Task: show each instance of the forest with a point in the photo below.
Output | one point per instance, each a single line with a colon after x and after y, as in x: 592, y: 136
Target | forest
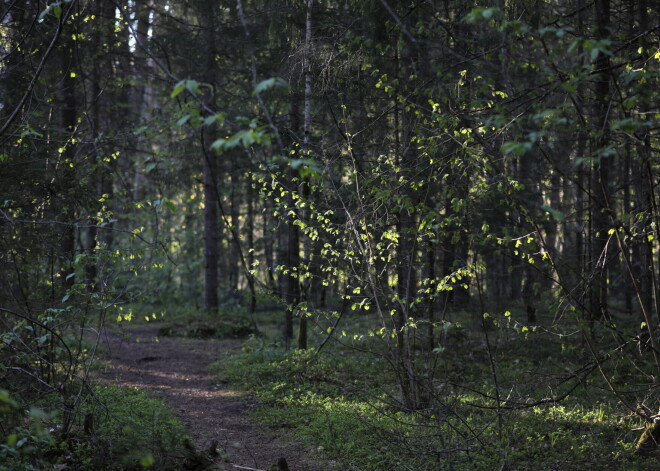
x: 422, y: 234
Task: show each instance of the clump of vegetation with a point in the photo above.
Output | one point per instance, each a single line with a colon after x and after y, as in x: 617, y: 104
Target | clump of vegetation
x: 23, y: 435
x: 344, y: 403
x: 218, y: 329
x: 177, y: 320
x: 649, y: 442
x: 116, y: 428
x: 133, y: 428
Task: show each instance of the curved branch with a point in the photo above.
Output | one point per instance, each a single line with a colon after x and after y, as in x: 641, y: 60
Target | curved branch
x: 40, y: 69
x: 45, y: 327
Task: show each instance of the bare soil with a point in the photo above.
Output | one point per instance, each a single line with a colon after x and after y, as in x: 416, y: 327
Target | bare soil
x: 177, y: 370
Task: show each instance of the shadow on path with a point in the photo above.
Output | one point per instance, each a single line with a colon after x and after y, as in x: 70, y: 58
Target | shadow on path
x: 177, y: 370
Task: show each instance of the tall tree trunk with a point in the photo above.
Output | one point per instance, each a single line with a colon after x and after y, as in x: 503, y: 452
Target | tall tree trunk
x: 250, y: 217
x: 234, y: 213
x: 431, y: 301
x: 601, y: 170
x: 305, y: 185
x: 291, y: 284
x: 141, y: 92
x: 68, y: 117
x: 209, y: 168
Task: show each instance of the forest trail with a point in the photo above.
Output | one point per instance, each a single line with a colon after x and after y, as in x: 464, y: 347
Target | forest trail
x: 177, y: 371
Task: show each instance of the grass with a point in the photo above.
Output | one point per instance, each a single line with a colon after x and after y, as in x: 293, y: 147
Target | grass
x: 344, y: 401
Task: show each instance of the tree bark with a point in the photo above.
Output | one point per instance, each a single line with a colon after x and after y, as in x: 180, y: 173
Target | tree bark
x: 601, y: 170
x: 209, y: 168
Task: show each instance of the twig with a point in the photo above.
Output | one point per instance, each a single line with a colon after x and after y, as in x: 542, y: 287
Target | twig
x: 247, y: 467
x: 45, y: 327
x: 334, y: 327
x: 398, y: 22
x: 40, y: 68
x: 253, y: 65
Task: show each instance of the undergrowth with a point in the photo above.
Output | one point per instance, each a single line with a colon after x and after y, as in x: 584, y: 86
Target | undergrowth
x: 116, y: 428
x: 341, y: 402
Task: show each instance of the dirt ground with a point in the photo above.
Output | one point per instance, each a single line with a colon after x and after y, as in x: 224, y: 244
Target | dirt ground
x: 177, y: 370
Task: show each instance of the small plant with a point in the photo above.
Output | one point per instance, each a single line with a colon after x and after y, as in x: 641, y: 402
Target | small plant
x: 116, y: 429
x: 340, y: 402
x: 21, y: 448
x: 131, y: 430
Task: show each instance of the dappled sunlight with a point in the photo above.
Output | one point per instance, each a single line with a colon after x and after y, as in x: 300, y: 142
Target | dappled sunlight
x: 175, y: 381
x: 417, y: 234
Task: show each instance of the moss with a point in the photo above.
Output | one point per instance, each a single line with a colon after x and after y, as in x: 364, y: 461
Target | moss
x: 649, y: 443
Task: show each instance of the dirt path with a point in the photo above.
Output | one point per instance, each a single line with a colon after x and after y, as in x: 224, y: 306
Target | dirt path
x: 177, y: 370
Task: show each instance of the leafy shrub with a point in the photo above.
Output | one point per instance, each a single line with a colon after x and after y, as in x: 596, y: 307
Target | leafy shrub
x: 117, y: 429
x: 21, y: 448
x: 132, y: 430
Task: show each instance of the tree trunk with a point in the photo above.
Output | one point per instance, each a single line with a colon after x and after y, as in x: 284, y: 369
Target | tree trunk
x: 305, y: 185
x: 250, y: 217
x: 209, y: 169
x: 141, y: 93
x: 601, y: 170
x: 68, y: 117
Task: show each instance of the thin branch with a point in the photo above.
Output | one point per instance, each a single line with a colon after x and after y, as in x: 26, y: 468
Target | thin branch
x: 39, y: 70
x: 45, y: 327
x: 398, y: 22
x: 334, y: 326
x: 253, y: 65
x: 89, y: 226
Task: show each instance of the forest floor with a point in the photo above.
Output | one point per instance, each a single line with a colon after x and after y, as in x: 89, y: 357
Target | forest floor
x: 177, y: 370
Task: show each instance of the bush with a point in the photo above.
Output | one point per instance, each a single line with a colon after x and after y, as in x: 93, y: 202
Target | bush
x: 116, y: 429
x: 132, y: 430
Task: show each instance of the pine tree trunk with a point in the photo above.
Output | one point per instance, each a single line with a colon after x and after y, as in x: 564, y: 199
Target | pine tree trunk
x: 601, y: 170
x: 209, y: 170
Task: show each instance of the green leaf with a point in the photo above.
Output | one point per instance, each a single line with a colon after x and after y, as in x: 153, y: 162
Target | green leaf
x: 150, y: 166
x: 178, y: 88
x: 481, y: 14
x: 183, y: 120
x: 147, y: 460
x: 275, y: 82
x: 55, y: 7
x: 210, y: 120
x: 247, y: 138
x: 488, y: 13
x: 43, y: 14
x: 37, y: 413
x: 193, y: 86
x: 573, y: 46
x: 305, y: 167
x: 219, y: 145
x: 556, y: 215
